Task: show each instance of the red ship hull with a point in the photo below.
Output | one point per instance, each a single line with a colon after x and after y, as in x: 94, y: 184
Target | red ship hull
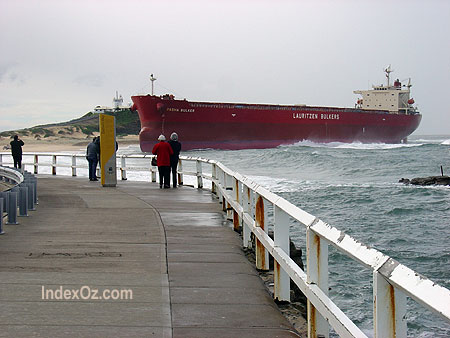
x: 202, y: 125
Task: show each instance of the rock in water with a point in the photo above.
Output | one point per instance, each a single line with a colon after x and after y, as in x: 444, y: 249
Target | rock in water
x: 430, y: 180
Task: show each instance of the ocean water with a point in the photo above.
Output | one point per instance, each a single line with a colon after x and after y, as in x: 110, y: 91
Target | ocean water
x: 354, y: 187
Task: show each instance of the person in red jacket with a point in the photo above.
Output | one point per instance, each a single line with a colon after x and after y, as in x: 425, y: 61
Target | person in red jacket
x: 163, y: 150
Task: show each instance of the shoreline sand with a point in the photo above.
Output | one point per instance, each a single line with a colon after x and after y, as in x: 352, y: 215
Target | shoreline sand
x: 59, y: 144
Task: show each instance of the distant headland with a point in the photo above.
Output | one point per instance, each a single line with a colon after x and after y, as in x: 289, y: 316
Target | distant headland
x: 74, y: 134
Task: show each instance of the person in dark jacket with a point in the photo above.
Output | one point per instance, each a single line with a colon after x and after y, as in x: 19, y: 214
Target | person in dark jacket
x: 163, y: 151
x: 97, y: 142
x: 16, y: 151
x: 92, y: 157
x: 176, y: 147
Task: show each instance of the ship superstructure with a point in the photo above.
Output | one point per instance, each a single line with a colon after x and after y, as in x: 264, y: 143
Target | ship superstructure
x: 393, y: 98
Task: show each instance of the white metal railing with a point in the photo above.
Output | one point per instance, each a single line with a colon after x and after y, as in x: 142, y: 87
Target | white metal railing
x: 247, y: 203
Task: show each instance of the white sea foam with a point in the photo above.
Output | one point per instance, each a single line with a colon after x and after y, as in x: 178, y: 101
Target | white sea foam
x: 280, y: 185
x: 429, y: 141
x: 276, y: 185
x: 376, y: 146
x: 446, y: 142
x: 356, y: 145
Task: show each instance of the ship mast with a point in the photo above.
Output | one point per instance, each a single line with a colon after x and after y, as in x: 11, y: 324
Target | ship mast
x: 153, y: 79
x: 388, y: 71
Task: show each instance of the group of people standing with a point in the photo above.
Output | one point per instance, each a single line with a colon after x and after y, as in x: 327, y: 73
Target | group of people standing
x: 168, y: 154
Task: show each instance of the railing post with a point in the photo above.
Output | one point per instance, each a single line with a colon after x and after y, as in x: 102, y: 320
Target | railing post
x: 228, y: 187
x: 74, y: 165
x: 33, y: 181
x: 252, y: 209
x: 12, y: 208
x: 199, y: 175
x: 30, y: 187
x: 1, y: 216
x: 214, y: 177
x: 236, y: 220
x: 389, y: 309
x: 53, y: 164
x: 1, y: 159
x: 246, y: 208
x: 5, y: 196
x: 36, y: 164
x: 220, y: 177
x: 180, y: 172
x: 262, y: 255
x: 282, y: 282
x: 153, y: 171
x: 123, y: 168
x: 317, y: 273
x: 23, y: 201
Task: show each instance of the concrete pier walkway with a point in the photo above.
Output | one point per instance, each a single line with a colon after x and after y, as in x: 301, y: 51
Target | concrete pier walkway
x: 172, y: 248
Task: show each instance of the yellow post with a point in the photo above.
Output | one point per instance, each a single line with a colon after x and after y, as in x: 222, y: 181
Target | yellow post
x: 108, y: 150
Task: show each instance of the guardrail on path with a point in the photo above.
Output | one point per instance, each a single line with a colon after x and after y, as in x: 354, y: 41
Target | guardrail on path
x: 20, y: 196
x: 247, y: 204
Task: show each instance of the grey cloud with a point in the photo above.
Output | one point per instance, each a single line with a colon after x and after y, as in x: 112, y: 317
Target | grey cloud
x: 8, y: 75
x: 16, y: 78
x: 92, y: 80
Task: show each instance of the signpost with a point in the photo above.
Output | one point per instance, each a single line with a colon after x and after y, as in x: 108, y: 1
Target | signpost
x: 108, y: 150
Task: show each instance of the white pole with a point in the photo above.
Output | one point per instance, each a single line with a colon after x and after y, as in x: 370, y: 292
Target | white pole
x: 153, y: 79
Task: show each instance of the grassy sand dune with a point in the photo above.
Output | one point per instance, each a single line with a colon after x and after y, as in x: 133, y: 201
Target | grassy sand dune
x: 73, y: 135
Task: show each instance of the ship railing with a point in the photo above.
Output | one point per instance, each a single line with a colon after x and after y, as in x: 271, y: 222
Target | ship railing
x: 248, y: 204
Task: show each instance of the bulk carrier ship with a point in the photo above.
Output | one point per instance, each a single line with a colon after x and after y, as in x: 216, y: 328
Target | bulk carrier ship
x: 383, y: 114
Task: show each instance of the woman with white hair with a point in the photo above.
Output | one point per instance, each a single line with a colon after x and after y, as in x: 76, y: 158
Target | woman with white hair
x: 163, y: 151
x: 176, y: 147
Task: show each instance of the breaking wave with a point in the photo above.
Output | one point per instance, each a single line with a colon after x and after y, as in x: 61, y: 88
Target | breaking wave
x: 356, y: 145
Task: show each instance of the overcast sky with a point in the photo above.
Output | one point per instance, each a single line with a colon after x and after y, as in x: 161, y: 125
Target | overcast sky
x: 61, y: 58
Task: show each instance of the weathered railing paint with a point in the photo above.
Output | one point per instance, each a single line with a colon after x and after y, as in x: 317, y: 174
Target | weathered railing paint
x: 246, y: 204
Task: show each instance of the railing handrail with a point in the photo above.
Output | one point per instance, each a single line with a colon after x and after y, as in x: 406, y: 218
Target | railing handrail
x: 11, y: 174
x: 369, y: 257
x: 391, y: 278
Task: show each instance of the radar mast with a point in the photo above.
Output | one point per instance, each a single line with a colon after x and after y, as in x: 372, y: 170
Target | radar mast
x: 153, y: 79
x: 388, y: 71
